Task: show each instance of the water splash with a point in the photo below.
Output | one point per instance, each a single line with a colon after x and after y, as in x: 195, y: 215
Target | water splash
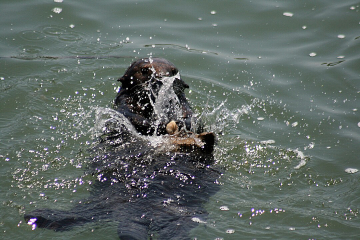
x: 219, y: 118
x: 108, y: 121
x: 167, y: 106
x: 244, y: 153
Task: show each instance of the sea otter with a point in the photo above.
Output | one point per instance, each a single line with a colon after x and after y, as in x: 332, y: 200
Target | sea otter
x: 153, y: 192
x: 138, y: 100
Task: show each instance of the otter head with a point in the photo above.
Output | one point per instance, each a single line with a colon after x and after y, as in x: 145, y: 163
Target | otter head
x: 150, y: 70
x: 152, y: 95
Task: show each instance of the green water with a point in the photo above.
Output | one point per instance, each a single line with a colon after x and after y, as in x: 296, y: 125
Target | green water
x: 278, y: 81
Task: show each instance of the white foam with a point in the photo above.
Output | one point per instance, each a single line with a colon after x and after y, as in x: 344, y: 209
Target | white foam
x: 224, y: 208
x: 198, y: 220
x: 351, y: 170
x: 302, y: 157
x: 267, y: 142
x: 301, y: 164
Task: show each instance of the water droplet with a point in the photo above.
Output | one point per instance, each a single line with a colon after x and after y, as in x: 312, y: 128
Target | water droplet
x: 294, y: 124
x: 224, y: 208
x: 288, y: 14
x: 198, y: 220
x: 351, y: 170
x: 57, y: 10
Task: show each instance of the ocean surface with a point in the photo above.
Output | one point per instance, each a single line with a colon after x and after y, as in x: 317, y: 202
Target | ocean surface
x: 277, y: 81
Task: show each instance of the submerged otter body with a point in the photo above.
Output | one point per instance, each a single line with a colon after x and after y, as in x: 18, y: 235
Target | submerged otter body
x: 151, y: 191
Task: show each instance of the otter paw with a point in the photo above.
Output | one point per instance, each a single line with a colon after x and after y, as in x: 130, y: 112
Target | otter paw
x: 172, y: 128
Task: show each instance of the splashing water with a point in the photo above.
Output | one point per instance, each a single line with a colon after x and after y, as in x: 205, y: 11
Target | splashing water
x: 220, y: 118
x: 217, y: 118
x: 242, y: 153
x: 167, y: 106
x: 108, y: 120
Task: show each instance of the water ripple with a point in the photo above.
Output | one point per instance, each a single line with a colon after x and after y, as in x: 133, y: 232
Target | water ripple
x: 32, y: 35
x: 63, y: 33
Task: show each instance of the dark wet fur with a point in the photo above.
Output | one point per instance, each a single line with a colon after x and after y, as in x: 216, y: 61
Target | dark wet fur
x: 151, y: 194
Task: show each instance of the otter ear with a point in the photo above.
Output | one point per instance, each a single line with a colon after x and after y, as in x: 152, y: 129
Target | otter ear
x: 125, y: 82
x: 183, y: 83
x: 180, y: 83
x: 123, y: 78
